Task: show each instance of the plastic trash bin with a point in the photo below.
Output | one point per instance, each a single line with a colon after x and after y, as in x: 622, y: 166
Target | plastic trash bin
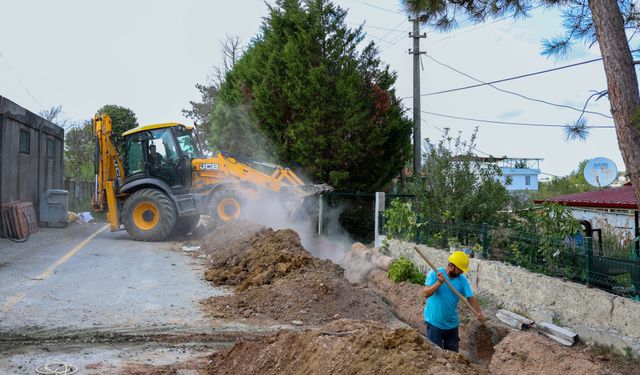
x: 54, y: 205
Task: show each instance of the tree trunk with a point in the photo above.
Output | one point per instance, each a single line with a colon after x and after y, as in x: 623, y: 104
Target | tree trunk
x: 622, y: 83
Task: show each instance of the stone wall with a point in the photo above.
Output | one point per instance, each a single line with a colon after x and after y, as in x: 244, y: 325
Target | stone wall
x: 595, y: 315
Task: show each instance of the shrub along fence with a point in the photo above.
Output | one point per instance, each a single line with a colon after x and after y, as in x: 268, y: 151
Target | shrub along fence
x: 572, y: 257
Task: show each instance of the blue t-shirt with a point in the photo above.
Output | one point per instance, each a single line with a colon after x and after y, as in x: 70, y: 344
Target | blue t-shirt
x: 441, y: 309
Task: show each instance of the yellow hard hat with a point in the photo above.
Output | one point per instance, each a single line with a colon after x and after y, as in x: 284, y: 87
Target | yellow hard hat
x: 460, y: 260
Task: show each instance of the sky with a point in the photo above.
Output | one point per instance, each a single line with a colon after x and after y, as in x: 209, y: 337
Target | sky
x: 149, y: 55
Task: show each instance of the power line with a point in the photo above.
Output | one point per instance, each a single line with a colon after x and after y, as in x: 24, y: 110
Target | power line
x: 482, y: 152
x: 517, y: 94
x: 20, y: 81
x: 533, y: 124
x: 394, y: 29
x: 396, y: 40
x: 476, y: 27
x: 381, y: 8
x: 444, y: 133
x: 365, y: 25
x: 510, y: 78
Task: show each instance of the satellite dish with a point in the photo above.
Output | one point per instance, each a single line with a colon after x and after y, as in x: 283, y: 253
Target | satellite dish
x: 600, y: 172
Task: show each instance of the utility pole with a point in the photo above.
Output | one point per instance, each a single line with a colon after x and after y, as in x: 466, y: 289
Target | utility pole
x: 417, y: 138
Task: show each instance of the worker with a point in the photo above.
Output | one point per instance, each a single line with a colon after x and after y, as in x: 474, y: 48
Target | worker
x: 441, y: 309
x: 155, y: 159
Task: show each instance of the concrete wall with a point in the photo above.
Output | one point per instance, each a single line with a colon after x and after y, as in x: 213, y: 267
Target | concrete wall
x: 25, y: 176
x: 622, y: 220
x: 595, y: 315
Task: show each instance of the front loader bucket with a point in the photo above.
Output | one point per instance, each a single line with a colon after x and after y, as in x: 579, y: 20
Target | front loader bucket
x: 294, y: 199
x: 308, y: 190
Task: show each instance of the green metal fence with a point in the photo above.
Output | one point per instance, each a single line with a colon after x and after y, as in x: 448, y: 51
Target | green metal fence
x: 571, y: 258
x: 353, y: 212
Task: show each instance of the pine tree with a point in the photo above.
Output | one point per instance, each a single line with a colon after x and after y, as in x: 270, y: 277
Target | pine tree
x: 306, y: 95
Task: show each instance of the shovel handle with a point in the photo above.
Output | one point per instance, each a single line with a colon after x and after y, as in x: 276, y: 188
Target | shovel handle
x: 460, y: 296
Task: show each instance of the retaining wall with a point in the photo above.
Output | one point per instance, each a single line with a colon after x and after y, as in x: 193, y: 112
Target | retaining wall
x: 595, y: 315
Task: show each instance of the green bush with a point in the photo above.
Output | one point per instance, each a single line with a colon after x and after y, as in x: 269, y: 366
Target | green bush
x: 403, y: 269
x: 400, y: 221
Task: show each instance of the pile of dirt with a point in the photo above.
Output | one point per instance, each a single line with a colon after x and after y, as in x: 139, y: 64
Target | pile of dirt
x: 272, y: 255
x: 228, y: 242
x: 529, y: 353
x: 341, y: 347
x: 276, y: 278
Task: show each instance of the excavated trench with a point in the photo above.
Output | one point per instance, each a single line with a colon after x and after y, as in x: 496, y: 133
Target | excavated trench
x: 278, y: 281
x: 297, y: 314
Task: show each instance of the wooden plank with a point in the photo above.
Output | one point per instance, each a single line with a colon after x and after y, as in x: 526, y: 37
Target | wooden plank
x: 557, y: 331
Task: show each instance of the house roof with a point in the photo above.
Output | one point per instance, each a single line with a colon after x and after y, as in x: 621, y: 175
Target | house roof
x: 620, y: 197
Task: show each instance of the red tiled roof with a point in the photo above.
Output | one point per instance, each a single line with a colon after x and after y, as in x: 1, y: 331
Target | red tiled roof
x: 620, y: 197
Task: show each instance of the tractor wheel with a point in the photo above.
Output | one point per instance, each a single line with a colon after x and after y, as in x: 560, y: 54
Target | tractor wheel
x: 226, y: 205
x: 149, y: 215
x: 185, y: 225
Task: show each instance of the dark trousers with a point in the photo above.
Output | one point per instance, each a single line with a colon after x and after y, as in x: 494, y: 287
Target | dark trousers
x: 445, y: 338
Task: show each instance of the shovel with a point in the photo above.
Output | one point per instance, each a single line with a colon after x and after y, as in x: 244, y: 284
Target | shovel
x: 493, y: 335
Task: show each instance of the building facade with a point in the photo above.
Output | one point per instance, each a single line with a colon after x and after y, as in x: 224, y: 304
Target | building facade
x: 520, y: 174
x: 31, y: 154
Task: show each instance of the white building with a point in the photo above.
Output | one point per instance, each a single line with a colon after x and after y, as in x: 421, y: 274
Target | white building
x: 520, y: 174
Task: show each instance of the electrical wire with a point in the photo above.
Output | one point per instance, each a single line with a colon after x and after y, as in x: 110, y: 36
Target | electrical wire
x: 509, y: 78
x: 474, y: 28
x: 366, y: 26
x: 19, y: 80
x: 582, y: 111
x: 396, y: 28
x: 533, y: 124
x: 482, y: 152
x: 381, y: 8
x: 395, y: 41
x: 480, y: 26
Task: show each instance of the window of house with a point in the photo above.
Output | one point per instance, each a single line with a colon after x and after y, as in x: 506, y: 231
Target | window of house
x: 50, y: 148
x: 25, y: 142
x: 527, y: 180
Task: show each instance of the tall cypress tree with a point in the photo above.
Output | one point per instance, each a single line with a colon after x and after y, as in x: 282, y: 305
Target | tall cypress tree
x: 314, y: 100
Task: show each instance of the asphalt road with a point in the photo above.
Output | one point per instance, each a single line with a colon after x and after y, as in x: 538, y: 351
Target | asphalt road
x: 99, y: 301
x: 85, y: 276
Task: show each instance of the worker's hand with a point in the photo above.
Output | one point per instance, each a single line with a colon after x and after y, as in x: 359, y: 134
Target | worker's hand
x: 482, y: 318
x: 440, y: 277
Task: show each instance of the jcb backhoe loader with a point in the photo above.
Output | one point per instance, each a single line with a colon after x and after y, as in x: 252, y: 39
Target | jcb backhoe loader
x: 164, y: 183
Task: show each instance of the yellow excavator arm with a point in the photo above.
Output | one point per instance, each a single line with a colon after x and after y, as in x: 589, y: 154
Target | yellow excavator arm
x: 225, y: 167
x: 108, y: 170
